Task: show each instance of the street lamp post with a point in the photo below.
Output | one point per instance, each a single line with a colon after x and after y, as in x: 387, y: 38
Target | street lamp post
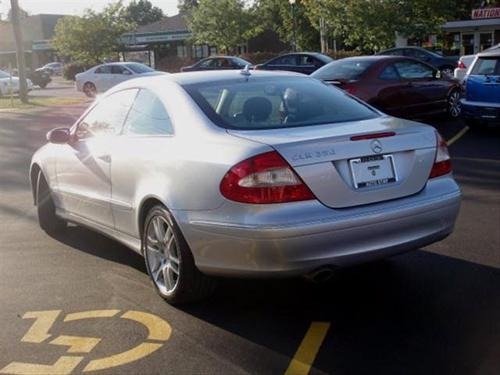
x: 294, y: 26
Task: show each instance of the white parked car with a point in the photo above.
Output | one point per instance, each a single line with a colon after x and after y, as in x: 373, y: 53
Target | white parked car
x: 462, y: 66
x: 5, y: 84
x: 102, y: 77
x: 53, y: 68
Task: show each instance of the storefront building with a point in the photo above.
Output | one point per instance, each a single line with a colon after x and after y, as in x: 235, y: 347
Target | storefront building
x: 475, y: 35
x: 38, y: 31
x: 166, y: 44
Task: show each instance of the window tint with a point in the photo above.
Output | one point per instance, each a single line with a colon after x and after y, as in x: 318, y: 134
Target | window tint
x: 139, y: 68
x: 413, y: 70
x: 107, y: 117
x: 118, y: 69
x: 393, y: 52
x: 487, y: 66
x: 148, y: 116
x: 417, y: 54
x: 308, y: 60
x: 389, y: 73
x: 345, y: 69
x: 105, y: 69
x: 207, y: 63
x: 275, y: 103
x: 285, y: 60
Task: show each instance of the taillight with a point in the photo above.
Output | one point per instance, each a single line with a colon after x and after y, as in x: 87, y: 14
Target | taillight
x: 442, y: 162
x: 264, y: 178
x: 461, y: 65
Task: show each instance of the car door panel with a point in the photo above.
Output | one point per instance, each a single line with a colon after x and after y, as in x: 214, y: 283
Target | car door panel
x: 84, y: 165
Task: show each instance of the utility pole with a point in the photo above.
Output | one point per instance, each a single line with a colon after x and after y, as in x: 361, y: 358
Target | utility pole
x: 21, y: 63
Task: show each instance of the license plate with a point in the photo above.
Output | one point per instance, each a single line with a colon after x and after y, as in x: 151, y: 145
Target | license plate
x: 490, y: 113
x: 372, y: 171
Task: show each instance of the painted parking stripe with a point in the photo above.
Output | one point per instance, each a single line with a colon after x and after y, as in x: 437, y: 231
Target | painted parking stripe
x: 457, y: 136
x: 308, y: 349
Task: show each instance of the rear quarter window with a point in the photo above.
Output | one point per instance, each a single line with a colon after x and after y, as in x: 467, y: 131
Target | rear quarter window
x: 486, y: 66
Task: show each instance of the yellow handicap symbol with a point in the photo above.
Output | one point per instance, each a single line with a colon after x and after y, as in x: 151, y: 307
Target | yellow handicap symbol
x: 159, y: 331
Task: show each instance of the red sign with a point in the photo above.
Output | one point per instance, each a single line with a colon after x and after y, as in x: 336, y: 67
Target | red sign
x: 486, y: 13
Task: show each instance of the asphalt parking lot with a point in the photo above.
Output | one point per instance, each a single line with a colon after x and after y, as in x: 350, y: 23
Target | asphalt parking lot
x: 80, y: 302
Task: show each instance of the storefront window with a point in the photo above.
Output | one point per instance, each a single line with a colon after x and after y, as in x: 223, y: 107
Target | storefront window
x: 468, y: 44
x: 485, y: 40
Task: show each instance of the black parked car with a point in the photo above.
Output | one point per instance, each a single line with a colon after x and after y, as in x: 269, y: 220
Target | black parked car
x: 446, y: 64
x: 40, y: 77
x: 217, y: 63
x: 300, y: 62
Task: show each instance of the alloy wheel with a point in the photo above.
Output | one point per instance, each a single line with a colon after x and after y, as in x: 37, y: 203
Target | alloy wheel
x: 454, y: 104
x: 162, y: 255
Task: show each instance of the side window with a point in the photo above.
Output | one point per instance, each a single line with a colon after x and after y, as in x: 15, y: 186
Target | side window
x: 207, y: 63
x: 105, y: 69
x: 107, y: 117
x: 389, y: 73
x: 285, y: 60
x: 413, y: 70
x: 486, y: 66
x: 148, y: 116
x: 394, y: 52
x: 118, y: 69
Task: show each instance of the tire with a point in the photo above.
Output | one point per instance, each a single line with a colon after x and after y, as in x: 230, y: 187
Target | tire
x: 453, y: 104
x: 43, y: 85
x: 169, y: 260
x: 46, y: 210
x: 89, y: 89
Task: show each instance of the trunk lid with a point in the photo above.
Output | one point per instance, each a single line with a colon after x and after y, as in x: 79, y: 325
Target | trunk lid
x: 335, y: 167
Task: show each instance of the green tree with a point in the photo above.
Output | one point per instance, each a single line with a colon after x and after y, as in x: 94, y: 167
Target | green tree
x: 142, y: 12
x: 287, y: 22
x: 94, y: 37
x: 186, y: 6
x: 225, y: 24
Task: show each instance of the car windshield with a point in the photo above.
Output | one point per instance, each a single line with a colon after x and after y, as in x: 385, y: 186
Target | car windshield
x: 273, y: 103
x: 4, y: 74
x: 344, y: 70
x: 139, y: 68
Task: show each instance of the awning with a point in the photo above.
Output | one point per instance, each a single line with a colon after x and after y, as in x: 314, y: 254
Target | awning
x: 492, y: 23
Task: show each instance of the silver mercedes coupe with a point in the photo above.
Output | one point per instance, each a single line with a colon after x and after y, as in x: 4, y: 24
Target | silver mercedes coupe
x: 245, y: 174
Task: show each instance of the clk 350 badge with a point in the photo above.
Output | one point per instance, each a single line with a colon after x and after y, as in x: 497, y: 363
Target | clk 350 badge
x: 313, y: 154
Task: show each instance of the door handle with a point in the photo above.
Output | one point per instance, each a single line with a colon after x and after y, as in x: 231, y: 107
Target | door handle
x: 105, y: 158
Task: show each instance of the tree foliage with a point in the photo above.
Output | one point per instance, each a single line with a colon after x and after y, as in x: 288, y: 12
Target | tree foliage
x: 287, y: 21
x: 142, y: 12
x: 225, y: 24
x: 373, y: 24
x: 94, y: 37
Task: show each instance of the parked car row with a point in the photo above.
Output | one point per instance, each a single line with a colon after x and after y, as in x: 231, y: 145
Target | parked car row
x: 10, y: 84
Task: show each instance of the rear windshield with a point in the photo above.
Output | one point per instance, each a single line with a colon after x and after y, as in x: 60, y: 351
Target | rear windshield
x: 487, y: 66
x: 272, y: 103
x: 343, y: 70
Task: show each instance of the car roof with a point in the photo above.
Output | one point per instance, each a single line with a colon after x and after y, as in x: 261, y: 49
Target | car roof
x: 490, y: 53
x: 189, y: 78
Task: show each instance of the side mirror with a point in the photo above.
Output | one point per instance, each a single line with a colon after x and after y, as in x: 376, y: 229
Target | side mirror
x: 59, y: 135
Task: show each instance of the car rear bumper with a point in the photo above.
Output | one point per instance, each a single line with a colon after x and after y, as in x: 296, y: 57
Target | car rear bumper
x: 307, y: 235
x: 484, y: 111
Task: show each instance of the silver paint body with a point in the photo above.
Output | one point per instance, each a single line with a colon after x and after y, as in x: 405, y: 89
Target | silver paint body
x: 103, y: 183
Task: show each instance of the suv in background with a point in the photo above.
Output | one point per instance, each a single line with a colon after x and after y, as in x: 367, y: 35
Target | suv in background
x: 481, y: 99
x: 54, y: 68
x: 446, y: 64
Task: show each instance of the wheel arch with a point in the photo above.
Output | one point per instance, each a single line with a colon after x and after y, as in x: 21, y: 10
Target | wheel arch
x: 34, y: 172
x: 147, y: 204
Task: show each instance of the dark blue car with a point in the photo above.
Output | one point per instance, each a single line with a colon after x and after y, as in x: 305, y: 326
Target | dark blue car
x: 445, y: 64
x: 300, y: 62
x: 481, y: 102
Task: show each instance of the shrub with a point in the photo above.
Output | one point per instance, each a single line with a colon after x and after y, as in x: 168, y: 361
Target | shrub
x: 72, y: 69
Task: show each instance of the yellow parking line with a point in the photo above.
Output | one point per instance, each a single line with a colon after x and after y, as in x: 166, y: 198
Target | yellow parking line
x: 308, y: 349
x: 457, y: 136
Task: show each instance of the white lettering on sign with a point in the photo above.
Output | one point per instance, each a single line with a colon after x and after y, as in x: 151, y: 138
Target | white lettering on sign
x: 486, y: 13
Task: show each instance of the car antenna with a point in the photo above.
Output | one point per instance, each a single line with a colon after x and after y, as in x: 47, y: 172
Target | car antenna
x: 246, y: 71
